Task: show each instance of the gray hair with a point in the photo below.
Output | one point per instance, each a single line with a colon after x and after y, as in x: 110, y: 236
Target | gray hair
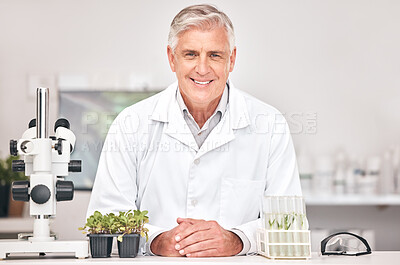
x: 203, y: 17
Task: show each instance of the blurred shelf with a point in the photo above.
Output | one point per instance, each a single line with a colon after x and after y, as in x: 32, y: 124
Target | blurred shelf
x: 356, y: 199
x: 16, y: 225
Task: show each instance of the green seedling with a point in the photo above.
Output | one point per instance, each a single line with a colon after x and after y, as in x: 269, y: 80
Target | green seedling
x: 98, y: 223
x: 130, y: 222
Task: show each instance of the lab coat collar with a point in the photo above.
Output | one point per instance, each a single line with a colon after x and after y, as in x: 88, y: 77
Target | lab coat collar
x: 167, y: 110
x: 239, y: 117
x: 238, y: 108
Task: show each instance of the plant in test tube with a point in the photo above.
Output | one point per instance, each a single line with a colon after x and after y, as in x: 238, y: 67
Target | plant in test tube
x: 282, y: 208
x: 305, y: 238
x: 271, y: 223
x: 272, y: 226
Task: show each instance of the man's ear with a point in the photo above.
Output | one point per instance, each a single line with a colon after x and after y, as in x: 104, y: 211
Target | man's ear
x: 171, y: 57
x: 232, y: 59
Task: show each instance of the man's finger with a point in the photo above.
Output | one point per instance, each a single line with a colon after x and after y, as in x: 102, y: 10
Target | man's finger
x: 194, y: 238
x: 182, y: 227
x: 199, y: 226
x: 204, y: 253
x: 189, y: 220
x: 199, y: 246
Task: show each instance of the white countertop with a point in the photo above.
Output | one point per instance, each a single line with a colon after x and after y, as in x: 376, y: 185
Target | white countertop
x: 353, y: 199
x: 376, y: 258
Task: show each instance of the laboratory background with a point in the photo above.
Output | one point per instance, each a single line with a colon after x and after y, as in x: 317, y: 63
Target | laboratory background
x: 331, y: 67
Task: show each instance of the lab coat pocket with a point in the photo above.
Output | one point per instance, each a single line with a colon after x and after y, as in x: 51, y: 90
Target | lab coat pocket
x: 240, y: 201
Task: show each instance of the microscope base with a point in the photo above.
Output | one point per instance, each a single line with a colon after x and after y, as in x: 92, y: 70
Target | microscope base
x: 79, y: 248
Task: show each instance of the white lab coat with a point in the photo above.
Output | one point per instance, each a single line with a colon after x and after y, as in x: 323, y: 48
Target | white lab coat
x: 150, y: 161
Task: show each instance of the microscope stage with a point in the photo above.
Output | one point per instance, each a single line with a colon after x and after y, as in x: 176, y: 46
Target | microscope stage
x: 80, y: 248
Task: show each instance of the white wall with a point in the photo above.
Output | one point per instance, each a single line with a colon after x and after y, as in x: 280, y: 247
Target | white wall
x: 338, y: 59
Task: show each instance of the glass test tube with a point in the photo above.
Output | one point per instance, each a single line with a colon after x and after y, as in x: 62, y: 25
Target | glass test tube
x: 282, y: 225
x: 290, y: 220
x: 267, y: 213
x: 274, y: 225
x: 303, y: 225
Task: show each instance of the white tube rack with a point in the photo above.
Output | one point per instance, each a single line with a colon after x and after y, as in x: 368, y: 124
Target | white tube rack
x: 284, y: 244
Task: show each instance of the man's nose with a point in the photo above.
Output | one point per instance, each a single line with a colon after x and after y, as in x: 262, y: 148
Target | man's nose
x: 202, y: 67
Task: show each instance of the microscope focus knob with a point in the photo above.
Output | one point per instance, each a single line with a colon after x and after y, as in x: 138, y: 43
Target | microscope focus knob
x: 18, y: 165
x: 40, y: 194
x: 64, y: 190
x: 20, y: 190
x: 13, y: 147
x: 58, y: 146
x: 75, y: 166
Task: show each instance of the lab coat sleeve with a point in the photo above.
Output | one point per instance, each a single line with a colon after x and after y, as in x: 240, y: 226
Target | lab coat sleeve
x: 282, y: 174
x: 115, y: 188
x: 154, y: 231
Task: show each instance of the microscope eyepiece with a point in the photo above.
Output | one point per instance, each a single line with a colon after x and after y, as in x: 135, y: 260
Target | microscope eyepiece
x: 61, y: 123
x: 32, y: 123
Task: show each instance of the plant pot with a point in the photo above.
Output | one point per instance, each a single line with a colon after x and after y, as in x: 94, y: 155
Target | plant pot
x: 4, y: 199
x: 129, y: 246
x: 100, y: 245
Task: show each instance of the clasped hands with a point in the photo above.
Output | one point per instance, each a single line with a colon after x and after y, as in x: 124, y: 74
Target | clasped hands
x: 197, y: 238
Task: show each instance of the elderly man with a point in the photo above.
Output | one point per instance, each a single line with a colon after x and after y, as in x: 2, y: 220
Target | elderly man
x: 199, y: 155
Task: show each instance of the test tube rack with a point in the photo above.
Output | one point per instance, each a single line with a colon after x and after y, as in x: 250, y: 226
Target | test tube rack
x: 285, y: 232
x: 281, y: 244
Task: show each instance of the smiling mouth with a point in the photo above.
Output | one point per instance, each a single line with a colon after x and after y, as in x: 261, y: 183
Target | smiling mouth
x: 201, y: 83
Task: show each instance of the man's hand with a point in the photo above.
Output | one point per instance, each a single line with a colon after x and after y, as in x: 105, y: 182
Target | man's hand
x: 164, y: 243
x: 206, y: 239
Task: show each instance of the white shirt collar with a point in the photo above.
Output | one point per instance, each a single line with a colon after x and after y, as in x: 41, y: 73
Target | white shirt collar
x: 222, y: 105
x: 166, y: 103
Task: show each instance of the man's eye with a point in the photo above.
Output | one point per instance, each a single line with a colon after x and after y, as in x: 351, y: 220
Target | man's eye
x: 189, y: 54
x: 215, y: 55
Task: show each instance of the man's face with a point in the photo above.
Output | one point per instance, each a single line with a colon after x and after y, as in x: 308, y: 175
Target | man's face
x: 202, y: 63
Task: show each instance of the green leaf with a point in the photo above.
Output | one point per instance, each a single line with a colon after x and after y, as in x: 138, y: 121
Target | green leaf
x: 7, y: 175
x: 128, y: 222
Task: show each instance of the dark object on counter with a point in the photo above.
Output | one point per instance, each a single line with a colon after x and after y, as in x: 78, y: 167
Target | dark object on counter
x: 345, y: 243
x: 7, y: 176
x: 129, y: 246
x: 100, y: 245
x: 4, y: 199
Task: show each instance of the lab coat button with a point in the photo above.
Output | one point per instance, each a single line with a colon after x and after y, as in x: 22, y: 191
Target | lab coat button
x: 194, y: 203
x: 197, y: 161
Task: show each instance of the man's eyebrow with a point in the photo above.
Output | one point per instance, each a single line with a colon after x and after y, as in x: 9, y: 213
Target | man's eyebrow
x: 209, y: 52
x: 221, y: 52
x: 188, y: 51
